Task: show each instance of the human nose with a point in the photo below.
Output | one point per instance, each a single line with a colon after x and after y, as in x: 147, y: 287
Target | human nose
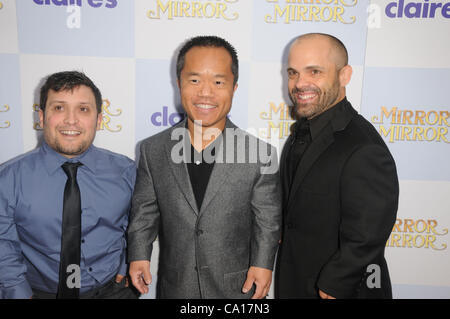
x: 205, y: 89
x: 300, y: 81
x: 70, y: 116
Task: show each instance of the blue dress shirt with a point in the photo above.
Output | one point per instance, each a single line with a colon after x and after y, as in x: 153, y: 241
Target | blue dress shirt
x: 31, y: 205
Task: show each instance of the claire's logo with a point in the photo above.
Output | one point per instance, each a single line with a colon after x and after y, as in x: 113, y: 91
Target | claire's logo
x: 417, y: 9
x: 165, y: 119
x: 110, y: 4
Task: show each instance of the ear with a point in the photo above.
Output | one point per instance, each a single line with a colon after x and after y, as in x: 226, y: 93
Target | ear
x: 235, y: 88
x: 178, y: 84
x: 41, y: 118
x: 99, y: 121
x: 345, y: 74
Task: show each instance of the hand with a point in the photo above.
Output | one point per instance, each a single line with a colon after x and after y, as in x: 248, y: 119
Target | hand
x: 140, y: 275
x: 262, y: 278
x: 119, y: 279
x: 324, y: 295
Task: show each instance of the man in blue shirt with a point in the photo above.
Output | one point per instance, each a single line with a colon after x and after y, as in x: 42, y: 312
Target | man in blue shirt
x: 32, y: 192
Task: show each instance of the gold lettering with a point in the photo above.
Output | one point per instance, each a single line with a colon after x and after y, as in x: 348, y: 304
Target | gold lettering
x: 419, y: 117
x: 107, y: 117
x: 443, y: 116
x: 436, y: 118
x: 416, y: 226
x: 385, y: 114
x: 395, y: 240
x: 408, y: 224
x: 407, y: 238
x: 442, y: 132
x: 426, y: 134
x: 431, y: 239
x: 407, y: 117
x: 417, y: 134
x: 385, y: 133
x: 398, y: 223
x: 415, y: 241
x: 432, y: 223
x: 6, y: 108
x: 221, y: 8
x: 406, y: 130
x: 205, y: 10
x: 274, y: 109
x: 160, y: 7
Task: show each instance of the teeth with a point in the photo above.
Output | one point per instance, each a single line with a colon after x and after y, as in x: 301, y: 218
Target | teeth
x: 70, y: 132
x: 306, y: 97
x: 205, y: 106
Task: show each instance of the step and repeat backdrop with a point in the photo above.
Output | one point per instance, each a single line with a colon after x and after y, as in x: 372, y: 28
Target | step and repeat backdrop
x: 399, y: 50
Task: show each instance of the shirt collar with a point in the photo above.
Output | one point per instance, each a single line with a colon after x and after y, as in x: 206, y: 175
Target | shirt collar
x: 53, y: 160
x: 317, y: 124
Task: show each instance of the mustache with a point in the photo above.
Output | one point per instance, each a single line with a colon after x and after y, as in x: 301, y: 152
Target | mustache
x: 296, y: 90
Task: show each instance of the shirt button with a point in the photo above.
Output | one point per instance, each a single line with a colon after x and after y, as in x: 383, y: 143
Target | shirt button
x: 199, y: 232
x: 82, y: 241
x: 90, y: 269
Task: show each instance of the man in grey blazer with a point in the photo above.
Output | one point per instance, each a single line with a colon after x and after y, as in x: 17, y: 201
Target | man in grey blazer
x: 208, y: 189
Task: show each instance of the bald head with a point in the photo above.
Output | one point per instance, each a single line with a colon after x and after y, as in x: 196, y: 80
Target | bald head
x: 338, y: 52
x: 318, y: 72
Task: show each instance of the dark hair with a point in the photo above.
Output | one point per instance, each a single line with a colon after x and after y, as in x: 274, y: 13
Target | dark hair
x: 68, y: 80
x: 208, y: 41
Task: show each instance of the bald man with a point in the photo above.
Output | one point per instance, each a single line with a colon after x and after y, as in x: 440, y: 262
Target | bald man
x: 339, y: 180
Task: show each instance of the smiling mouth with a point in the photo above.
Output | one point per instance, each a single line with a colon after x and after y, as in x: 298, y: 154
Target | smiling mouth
x: 70, y: 133
x: 205, y: 106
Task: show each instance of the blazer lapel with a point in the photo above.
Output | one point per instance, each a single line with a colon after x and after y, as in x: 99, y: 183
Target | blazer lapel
x: 179, y: 170
x: 222, y: 170
x: 316, y: 148
x: 339, y: 122
x: 283, y: 173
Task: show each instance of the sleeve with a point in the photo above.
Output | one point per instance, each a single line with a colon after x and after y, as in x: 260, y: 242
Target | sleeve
x: 13, y: 283
x: 266, y: 208
x: 144, y: 216
x: 369, y: 200
x: 129, y: 176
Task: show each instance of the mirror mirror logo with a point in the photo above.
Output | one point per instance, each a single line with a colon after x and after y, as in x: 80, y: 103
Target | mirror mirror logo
x: 110, y: 4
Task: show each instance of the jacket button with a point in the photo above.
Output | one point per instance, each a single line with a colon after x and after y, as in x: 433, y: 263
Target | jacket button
x: 199, y: 232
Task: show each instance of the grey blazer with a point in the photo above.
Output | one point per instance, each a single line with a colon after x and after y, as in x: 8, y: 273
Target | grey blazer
x: 205, y: 251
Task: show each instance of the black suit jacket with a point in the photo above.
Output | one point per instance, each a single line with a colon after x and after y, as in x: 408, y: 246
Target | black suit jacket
x: 339, y: 213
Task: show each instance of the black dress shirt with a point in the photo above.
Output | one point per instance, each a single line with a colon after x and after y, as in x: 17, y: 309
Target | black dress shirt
x: 200, y: 168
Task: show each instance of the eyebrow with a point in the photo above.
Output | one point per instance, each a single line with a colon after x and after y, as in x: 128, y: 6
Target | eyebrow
x: 64, y: 102
x: 309, y: 67
x: 198, y: 74
x: 314, y: 67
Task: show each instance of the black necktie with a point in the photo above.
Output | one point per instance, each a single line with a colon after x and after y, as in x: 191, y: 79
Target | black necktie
x: 71, y: 236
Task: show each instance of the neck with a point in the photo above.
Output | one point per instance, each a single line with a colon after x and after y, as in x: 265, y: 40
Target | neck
x: 202, y: 136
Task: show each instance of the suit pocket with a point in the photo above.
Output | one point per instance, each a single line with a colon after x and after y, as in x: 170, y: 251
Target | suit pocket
x: 233, y: 283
